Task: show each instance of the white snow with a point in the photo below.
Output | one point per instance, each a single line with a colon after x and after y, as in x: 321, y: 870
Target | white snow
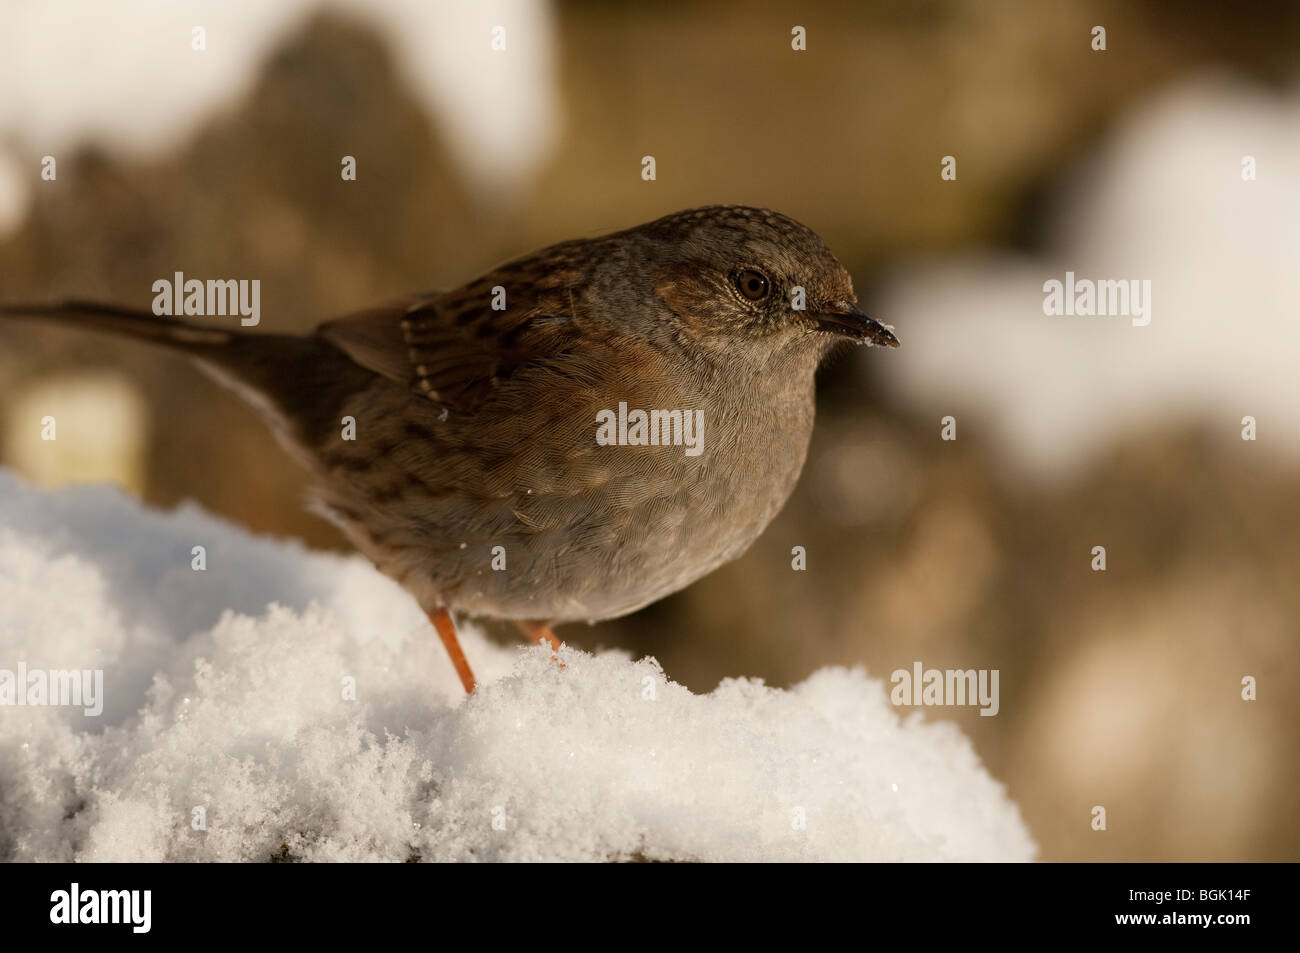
x: 66, y: 81
x: 1163, y: 199
x: 224, y: 691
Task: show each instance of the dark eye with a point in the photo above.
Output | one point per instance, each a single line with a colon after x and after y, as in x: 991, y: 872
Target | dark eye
x: 752, y: 284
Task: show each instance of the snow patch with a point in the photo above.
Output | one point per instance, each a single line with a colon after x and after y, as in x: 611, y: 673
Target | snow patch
x: 225, y: 692
x: 1164, y: 200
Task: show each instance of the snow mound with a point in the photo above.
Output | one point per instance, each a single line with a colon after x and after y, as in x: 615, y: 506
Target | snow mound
x: 230, y: 731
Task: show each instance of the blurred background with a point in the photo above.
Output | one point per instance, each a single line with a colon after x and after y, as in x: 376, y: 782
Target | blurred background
x: 1119, y: 688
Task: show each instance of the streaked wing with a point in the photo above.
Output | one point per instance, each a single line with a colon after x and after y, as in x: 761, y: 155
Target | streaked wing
x: 453, y: 347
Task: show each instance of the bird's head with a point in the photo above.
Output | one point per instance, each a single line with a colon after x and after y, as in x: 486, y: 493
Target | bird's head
x: 725, y: 274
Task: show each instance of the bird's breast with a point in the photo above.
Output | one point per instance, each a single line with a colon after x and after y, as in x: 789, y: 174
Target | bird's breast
x: 586, y: 495
x: 657, y: 487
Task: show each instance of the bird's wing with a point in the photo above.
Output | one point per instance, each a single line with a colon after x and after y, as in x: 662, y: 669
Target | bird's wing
x: 453, y: 347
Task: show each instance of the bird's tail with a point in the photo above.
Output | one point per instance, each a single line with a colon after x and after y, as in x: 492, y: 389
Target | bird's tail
x: 293, y: 377
x: 131, y: 322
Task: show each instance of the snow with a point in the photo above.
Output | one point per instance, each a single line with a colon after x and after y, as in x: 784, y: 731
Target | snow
x: 1162, y: 199
x: 225, y: 691
x: 500, y: 113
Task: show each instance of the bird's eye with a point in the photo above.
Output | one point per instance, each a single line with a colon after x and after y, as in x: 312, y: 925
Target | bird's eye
x: 752, y: 284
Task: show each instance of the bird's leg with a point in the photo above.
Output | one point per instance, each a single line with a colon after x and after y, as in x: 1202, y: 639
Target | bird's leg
x: 441, y: 620
x: 539, y: 632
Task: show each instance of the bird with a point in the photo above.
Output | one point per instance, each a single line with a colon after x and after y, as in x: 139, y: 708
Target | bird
x: 571, y: 436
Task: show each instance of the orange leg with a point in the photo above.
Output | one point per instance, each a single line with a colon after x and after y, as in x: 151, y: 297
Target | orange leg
x: 539, y: 632
x: 441, y: 620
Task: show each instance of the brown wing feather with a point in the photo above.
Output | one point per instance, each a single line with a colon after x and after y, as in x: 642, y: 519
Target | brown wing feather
x: 452, y: 347
x: 373, y: 338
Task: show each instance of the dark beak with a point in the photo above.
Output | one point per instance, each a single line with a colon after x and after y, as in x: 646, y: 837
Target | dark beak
x: 853, y: 324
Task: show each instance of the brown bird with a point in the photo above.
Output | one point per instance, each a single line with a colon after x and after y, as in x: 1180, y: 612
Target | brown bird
x: 575, y: 434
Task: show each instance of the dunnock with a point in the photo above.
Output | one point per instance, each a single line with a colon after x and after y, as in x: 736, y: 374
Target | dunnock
x: 573, y: 435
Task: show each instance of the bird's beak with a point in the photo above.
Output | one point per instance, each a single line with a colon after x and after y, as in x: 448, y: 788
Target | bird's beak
x: 847, y: 321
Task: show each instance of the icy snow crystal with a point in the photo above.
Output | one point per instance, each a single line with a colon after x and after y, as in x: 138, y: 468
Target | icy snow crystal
x: 231, y: 731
